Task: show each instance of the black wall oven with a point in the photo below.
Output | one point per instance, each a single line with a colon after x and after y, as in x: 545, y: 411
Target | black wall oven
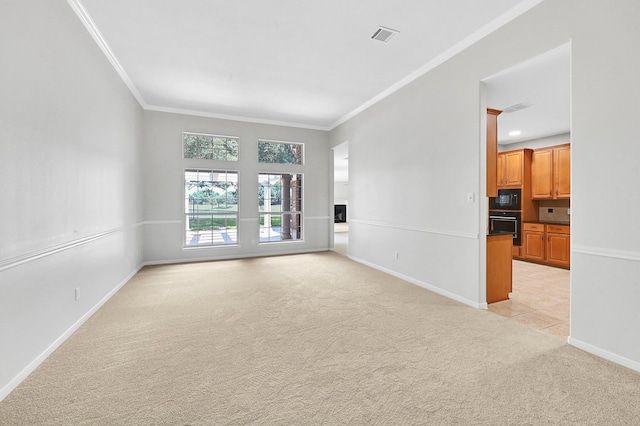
x: 507, y: 199
x: 506, y: 221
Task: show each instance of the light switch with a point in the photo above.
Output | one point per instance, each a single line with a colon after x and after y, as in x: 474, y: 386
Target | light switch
x: 471, y: 197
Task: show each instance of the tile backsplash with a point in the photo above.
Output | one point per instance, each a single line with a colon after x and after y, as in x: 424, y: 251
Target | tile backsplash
x: 553, y: 212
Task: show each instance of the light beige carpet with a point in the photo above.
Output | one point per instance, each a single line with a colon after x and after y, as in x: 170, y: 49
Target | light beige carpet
x: 311, y: 339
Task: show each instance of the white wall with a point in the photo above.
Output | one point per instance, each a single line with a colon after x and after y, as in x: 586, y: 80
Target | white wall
x: 606, y: 252
x: 70, y: 135
x: 341, y: 194
x: 412, y: 201
x: 164, y: 186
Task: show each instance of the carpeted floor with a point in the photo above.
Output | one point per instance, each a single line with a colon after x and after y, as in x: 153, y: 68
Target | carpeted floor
x: 313, y: 339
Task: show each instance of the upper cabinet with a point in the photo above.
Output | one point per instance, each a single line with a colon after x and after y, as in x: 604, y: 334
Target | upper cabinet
x: 510, y: 169
x: 562, y: 171
x: 551, y: 173
x: 542, y: 173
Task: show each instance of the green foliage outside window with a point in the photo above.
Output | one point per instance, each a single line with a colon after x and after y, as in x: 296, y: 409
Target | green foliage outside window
x: 210, y: 147
x: 200, y: 223
x: 275, y: 191
x: 279, y: 152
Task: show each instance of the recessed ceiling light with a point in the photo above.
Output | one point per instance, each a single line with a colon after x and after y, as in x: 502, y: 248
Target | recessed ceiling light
x: 384, y: 34
x: 515, y: 133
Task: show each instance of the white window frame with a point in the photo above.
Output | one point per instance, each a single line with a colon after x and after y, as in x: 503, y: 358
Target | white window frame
x: 186, y: 213
x: 299, y: 213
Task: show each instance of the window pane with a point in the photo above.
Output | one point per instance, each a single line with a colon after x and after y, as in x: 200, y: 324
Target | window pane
x: 206, y: 152
x: 280, y: 206
x: 280, y: 152
x: 191, y: 147
x: 231, y: 147
x: 280, y: 227
x: 210, y: 147
x: 211, y: 207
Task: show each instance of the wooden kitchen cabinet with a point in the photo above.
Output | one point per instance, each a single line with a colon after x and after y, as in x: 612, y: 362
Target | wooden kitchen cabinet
x: 516, y: 252
x: 542, y: 174
x: 547, y: 243
x: 499, y: 267
x: 562, y: 171
x: 533, y: 241
x: 558, y: 248
x: 492, y: 152
x: 551, y: 173
x: 510, y: 169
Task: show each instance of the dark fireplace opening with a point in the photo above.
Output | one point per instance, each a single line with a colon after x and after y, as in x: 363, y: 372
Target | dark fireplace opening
x: 340, y: 213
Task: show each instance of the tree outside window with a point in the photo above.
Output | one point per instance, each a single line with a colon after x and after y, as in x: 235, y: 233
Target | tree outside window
x: 211, y: 207
x: 280, y: 152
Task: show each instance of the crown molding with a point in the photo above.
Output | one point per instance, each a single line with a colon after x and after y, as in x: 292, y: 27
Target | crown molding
x: 503, y: 19
x: 498, y: 22
x: 91, y: 26
x: 234, y: 117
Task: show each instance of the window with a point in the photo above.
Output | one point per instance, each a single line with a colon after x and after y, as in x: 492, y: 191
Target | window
x: 210, y: 147
x: 280, y: 203
x: 210, y: 207
x: 280, y: 152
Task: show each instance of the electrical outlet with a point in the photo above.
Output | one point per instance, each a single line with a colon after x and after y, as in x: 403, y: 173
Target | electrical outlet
x: 77, y: 293
x: 568, y: 211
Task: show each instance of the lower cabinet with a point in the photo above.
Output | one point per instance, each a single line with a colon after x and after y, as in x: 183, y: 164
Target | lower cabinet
x: 533, y: 241
x: 546, y: 243
x: 516, y: 252
x: 558, y: 248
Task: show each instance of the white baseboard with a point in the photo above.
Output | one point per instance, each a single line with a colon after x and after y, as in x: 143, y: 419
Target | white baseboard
x: 230, y: 257
x: 9, y: 387
x: 422, y: 284
x: 634, y: 365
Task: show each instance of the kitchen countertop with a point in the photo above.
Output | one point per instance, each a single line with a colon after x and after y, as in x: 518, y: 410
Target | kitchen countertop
x: 547, y: 222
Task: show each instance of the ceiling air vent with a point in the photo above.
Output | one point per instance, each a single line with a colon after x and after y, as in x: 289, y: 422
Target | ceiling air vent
x: 516, y: 107
x: 384, y: 34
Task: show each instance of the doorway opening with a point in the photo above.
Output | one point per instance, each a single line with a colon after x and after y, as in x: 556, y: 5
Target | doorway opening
x: 341, y: 198
x: 534, y: 98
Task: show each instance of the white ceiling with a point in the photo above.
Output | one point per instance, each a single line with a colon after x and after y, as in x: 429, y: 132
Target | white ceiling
x: 307, y: 64
x: 542, y: 84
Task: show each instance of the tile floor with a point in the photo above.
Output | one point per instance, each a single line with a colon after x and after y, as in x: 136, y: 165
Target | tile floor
x: 341, y: 238
x: 540, y: 298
